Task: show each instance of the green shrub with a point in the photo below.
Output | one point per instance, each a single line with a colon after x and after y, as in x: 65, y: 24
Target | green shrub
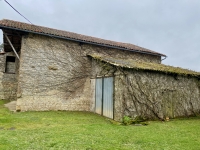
x: 127, y: 120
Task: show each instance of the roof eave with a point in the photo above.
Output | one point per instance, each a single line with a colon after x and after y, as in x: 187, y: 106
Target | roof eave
x: 145, y: 69
x: 82, y: 41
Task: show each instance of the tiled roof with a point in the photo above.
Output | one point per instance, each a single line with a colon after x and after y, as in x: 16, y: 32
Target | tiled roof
x: 72, y: 36
x: 130, y: 63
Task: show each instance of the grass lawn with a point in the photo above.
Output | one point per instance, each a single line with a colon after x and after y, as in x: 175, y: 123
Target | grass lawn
x: 83, y: 130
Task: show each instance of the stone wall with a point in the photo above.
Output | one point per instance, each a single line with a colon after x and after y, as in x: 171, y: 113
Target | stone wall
x: 2, y: 63
x: 151, y: 95
x: 54, y: 74
x: 158, y: 96
x: 8, y: 81
x: 2, y: 68
x: 115, y: 53
x: 51, y: 77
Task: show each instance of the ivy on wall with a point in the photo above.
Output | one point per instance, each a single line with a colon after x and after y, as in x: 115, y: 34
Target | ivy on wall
x: 153, y: 95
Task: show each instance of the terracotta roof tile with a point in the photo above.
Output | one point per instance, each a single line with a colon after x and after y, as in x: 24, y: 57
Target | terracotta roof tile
x: 73, y: 36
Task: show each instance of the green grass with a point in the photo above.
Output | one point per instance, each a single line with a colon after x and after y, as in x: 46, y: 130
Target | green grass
x: 83, y: 130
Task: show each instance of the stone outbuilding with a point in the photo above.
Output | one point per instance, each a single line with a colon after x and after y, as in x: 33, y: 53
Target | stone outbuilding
x: 49, y: 69
x: 145, y: 89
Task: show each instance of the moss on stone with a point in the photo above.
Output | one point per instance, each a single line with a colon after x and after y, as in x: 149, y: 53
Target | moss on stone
x: 141, y: 65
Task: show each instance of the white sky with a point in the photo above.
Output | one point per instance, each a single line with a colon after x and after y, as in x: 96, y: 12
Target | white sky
x: 171, y: 27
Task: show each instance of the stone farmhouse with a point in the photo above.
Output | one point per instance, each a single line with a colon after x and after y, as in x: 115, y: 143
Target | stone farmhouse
x: 49, y: 69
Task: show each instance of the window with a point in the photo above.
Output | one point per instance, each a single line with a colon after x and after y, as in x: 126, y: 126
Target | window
x: 10, y: 64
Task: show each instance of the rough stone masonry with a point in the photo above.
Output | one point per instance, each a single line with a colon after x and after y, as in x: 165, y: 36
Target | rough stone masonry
x: 54, y: 74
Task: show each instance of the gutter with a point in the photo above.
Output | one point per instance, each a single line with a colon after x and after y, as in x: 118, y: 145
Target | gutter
x: 82, y: 41
x: 164, y: 58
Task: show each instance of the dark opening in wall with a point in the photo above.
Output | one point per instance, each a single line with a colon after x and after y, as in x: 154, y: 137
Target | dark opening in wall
x: 10, y: 64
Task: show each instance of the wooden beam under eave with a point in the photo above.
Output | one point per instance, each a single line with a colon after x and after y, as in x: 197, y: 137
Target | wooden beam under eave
x: 11, y: 45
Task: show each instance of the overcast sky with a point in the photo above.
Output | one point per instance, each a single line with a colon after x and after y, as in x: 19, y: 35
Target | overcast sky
x: 171, y: 27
